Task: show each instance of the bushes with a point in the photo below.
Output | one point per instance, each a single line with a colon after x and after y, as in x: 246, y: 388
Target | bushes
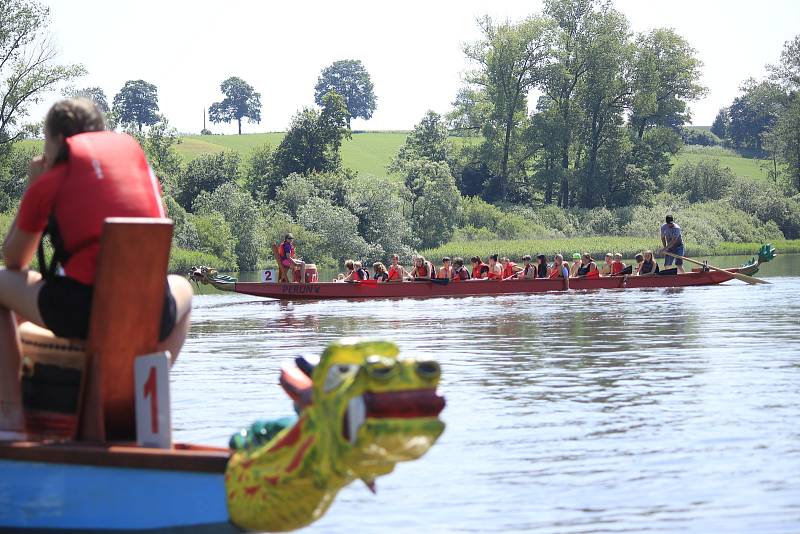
x: 181, y: 260
x: 705, y: 180
x: 768, y: 203
x: 206, y: 173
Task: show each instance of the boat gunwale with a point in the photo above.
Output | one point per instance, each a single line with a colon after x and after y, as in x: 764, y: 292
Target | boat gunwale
x: 187, y: 458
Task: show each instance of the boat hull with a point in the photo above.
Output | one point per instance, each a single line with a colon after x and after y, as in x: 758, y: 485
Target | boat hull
x: 333, y: 290
x: 111, y: 489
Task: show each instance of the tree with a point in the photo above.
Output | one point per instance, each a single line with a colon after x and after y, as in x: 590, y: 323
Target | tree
x: 27, y: 64
x: 158, y: 144
x: 95, y: 94
x: 434, y: 201
x: 137, y: 103
x: 511, y: 60
x: 337, y: 229
x: 568, y: 67
x: 312, y: 142
x: 666, y: 76
x: 721, y: 124
x: 242, y: 213
x: 754, y: 113
x: 787, y: 72
x: 427, y: 140
x: 603, y: 95
x: 786, y: 134
x: 350, y: 79
x: 206, y: 173
x: 240, y: 101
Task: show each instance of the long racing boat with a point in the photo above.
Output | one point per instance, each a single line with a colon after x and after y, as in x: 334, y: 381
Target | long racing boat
x: 371, y: 289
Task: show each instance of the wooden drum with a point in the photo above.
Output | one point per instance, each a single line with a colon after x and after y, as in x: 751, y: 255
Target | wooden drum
x: 52, y: 377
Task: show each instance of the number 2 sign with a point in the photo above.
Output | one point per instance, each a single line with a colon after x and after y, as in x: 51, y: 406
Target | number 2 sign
x: 151, y: 380
x: 270, y: 275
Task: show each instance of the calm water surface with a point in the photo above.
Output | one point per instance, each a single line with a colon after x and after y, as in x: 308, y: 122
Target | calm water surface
x: 610, y: 411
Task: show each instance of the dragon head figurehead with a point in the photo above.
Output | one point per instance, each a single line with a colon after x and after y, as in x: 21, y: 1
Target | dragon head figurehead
x: 361, y: 410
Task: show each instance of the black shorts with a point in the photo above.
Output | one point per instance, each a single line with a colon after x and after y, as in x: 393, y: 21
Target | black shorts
x: 66, y: 305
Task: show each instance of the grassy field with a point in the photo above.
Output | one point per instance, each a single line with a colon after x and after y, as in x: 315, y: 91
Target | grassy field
x: 742, y: 167
x: 368, y: 153
x: 597, y: 246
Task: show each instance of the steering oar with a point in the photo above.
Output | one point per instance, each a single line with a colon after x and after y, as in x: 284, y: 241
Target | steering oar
x: 738, y: 276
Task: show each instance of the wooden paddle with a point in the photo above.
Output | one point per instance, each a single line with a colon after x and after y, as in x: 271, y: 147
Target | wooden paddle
x: 738, y: 276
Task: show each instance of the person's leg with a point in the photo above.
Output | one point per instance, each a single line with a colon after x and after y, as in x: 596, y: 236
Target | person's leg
x: 19, y: 291
x: 182, y: 293
x: 679, y: 262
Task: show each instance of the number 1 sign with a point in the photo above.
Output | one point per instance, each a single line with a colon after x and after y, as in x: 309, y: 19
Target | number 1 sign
x: 153, y: 422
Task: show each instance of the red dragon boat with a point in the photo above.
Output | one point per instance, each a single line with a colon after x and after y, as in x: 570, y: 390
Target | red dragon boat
x: 371, y: 289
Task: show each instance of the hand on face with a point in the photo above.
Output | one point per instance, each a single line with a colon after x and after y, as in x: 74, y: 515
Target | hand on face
x: 36, y: 167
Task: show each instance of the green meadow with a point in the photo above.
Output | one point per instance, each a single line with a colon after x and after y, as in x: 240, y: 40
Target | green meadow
x: 370, y: 152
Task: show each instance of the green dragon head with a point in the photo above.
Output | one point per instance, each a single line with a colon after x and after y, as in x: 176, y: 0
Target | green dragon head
x: 361, y: 410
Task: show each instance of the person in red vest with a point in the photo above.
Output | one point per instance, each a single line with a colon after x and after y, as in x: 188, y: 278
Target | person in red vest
x: 286, y: 251
x: 397, y: 272
x: 495, y: 269
x: 617, y: 266
x: 460, y: 272
x: 510, y: 269
x: 480, y: 270
x: 86, y: 175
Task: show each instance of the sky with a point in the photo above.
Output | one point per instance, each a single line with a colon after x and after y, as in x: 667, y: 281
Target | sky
x: 412, y: 49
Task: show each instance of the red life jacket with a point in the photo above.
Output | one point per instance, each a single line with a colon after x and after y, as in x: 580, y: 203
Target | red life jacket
x: 556, y: 271
x: 508, y: 270
x: 105, y: 175
x: 460, y: 274
x: 478, y: 269
x: 393, y: 274
x: 424, y: 270
x: 282, y: 250
x: 617, y: 267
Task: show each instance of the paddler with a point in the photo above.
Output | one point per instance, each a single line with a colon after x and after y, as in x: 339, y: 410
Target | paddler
x: 510, y: 269
x: 576, y: 264
x: 529, y: 270
x: 588, y: 268
x: 672, y: 240
x: 63, y: 197
x: 607, y: 268
x: 397, y: 272
x: 286, y: 252
x: 460, y: 272
x: 422, y: 268
x: 446, y: 271
x: 495, y: 269
x: 480, y: 271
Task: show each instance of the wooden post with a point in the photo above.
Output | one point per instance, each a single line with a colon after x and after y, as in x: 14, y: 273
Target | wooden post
x: 126, y: 314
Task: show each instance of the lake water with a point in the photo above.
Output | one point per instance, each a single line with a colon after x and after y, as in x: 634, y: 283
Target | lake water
x: 626, y: 410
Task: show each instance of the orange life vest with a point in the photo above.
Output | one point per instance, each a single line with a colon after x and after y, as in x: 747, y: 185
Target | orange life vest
x: 393, y: 274
x: 476, y: 271
x: 508, y: 270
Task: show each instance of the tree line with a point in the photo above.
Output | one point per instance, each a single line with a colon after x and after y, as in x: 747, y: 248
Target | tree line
x: 592, y: 157
x: 764, y: 120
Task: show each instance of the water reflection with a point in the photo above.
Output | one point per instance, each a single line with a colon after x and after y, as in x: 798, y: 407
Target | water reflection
x: 570, y: 412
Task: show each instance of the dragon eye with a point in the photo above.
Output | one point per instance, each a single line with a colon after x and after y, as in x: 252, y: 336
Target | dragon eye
x: 338, y: 374
x: 428, y: 369
x: 381, y: 368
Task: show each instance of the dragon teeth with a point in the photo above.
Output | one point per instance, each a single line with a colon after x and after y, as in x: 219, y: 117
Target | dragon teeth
x: 356, y: 415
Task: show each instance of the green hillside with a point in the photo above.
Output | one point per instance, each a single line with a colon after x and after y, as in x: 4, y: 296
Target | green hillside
x: 368, y: 153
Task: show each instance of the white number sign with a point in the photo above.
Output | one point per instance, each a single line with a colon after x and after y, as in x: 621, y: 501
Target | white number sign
x: 151, y: 379
x: 270, y: 275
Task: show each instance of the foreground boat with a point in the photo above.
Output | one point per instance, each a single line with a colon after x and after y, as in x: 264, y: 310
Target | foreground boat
x: 85, y: 433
